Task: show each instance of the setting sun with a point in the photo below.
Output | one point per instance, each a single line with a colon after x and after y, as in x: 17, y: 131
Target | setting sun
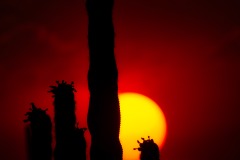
x: 140, y: 117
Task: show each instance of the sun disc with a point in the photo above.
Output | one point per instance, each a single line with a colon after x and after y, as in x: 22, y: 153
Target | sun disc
x: 140, y: 117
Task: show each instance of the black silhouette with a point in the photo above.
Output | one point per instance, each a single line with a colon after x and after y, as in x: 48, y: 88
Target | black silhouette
x: 149, y: 149
x: 80, y: 143
x: 69, y: 138
x: 104, y: 112
x: 39, y: 134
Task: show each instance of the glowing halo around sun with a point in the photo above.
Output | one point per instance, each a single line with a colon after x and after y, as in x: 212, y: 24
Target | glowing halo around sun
x: 140, y: 117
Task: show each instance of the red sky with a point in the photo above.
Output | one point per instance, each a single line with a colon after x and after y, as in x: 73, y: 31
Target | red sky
x: 185, y: 55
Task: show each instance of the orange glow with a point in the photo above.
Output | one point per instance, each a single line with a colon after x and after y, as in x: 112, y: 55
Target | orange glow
x: 140, y: 117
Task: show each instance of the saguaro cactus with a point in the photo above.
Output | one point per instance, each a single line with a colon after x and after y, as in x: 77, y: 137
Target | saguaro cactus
x: 64, y: 117
x: 68, y: 146
x: 80, y: 143
x: 149, y: 150
x: 39, y: 134
x: 104, y: 112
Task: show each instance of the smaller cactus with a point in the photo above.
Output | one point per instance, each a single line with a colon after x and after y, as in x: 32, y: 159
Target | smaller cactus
x: 80, y: 143
x: 149, y: 150
x: 70, y: 141
x: 40, y: 134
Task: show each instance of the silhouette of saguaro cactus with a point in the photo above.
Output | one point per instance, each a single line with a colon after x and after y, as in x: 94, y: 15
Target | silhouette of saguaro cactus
x: 149, y: 150
x: 69, y: 139
x: 39, y: 134
x: 104, y: 112
x: 80, y: 143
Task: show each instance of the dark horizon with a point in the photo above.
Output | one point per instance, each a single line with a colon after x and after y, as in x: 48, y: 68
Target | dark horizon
x: 192, y: 47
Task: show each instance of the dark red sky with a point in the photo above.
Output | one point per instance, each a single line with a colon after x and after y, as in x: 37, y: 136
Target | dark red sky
x: 185, y: 55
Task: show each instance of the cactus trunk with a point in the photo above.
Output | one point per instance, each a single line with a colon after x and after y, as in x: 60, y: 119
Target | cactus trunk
x: 70, y: 142
x: 104, y: 112
x: 39, y: 134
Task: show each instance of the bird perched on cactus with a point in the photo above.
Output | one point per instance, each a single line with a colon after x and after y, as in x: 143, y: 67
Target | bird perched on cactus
x: 40, y: 134
x: 149, y: 150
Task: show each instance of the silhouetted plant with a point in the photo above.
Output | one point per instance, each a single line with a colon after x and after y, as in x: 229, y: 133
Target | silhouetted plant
x: 104, y: 112
x: 69, y: 143
x: 149, y: 150
x: 80, y: 143
x: 39, y: 134
x: 64, y: 117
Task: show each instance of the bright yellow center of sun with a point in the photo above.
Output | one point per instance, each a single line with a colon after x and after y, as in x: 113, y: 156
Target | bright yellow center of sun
x: 140, y: 117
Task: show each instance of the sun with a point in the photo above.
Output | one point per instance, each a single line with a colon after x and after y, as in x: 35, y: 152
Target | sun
x: 140, y: 117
